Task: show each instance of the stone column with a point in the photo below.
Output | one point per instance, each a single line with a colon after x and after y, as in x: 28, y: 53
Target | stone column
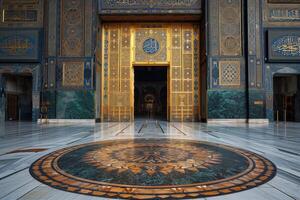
x: 36, y: 88
x: 256, y: 90
x: 98, y: 93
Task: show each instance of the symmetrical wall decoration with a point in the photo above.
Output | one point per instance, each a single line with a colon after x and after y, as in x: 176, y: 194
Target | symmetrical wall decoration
x: 73, y: 74
x: 20, y: 45
x: 22, y: 12
x: 174, y: 46
x: 152, y: 6
x: 229, y: 73
x: 284, y: 45
x: 230, y: 27
x: 72, y: 28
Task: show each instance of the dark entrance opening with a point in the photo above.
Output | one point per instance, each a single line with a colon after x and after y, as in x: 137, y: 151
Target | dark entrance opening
x: 287, y: 98
x: 150, y: 92
x: 18, y: 91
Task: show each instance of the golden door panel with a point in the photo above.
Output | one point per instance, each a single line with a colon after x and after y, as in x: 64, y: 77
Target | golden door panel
x: 125, y: 46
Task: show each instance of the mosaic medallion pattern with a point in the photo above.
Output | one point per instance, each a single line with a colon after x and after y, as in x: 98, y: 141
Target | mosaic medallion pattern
x: 151, y: 46
x: 153, y: 169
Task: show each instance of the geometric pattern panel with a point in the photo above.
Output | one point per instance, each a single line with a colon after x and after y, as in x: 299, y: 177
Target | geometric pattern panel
x: 229, y: 73
x: 73, y: 74
x: 230, y: 22
x: 72, y: 28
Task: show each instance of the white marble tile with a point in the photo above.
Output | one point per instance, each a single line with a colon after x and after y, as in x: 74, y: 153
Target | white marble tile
x: 278, y: 142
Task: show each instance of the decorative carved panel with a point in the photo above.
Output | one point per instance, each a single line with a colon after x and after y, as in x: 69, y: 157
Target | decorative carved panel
x: 229, y: 73
x: 175, y: 46
x: 73, y: 74
x: 72, y: 28
x: 230, y: 20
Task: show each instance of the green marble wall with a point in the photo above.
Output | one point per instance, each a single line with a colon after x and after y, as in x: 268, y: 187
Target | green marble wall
x: 50, y: 98
x: 257, y: 104
x: 227, y: 104
x: 75, y: 104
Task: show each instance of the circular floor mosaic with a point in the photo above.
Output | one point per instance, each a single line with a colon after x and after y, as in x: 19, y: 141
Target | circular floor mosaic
x: 153, y: 169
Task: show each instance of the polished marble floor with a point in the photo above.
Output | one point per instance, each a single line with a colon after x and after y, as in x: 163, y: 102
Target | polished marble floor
x: 21, y: 144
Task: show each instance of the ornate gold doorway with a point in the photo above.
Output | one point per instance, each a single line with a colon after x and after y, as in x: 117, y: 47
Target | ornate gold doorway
x: 126, y: 46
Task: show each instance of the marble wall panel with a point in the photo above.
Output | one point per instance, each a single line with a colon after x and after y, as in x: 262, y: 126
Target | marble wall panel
x: 227, y: 104
x: 75, y: 104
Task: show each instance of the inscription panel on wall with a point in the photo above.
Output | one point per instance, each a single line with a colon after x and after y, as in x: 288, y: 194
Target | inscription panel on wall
x: 22, y: 12
x: 20, y: 45
x: 149, y: 6
x: 150, y: 45
x: 284, y: 45
x: 281, y: 12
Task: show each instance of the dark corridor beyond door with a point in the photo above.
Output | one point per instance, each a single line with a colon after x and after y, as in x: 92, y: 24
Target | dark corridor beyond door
x: 287, y: 98
x: 150, y: 92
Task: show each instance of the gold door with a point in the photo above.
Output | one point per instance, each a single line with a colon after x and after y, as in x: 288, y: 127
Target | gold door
x: 175, y: 46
